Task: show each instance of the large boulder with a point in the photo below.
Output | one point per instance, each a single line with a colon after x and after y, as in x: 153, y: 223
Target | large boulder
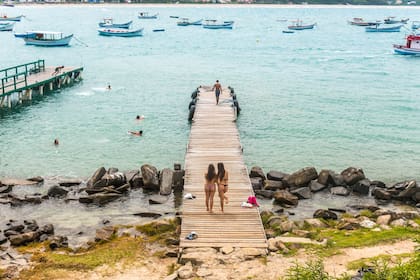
x: 257, y: 183
x: 116, y: 179
x: 150, y: 177
x: 166, y: 178
x: 323, y: 177
x: 302, y: 193
x: 352, y: 175
x: 315, y: 186
x: 5, y: 189
x: 276, y: 175
x: 381, y: 194
x: 99, y: 173
x: 257, y: 171
x: 340, y: 190
x: 24, y: 238
x: 361, y: 186
x: 272, y: 185
x: 409, y: 191
x: 105, y: 233
x: 285, y: 198
x: 57, y: 191
x: 325, y: 214
x: 301, y: 178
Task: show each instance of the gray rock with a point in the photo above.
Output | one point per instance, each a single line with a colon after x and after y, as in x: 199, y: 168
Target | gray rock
x: 136, y: 181
x: 315, y: 223
x: 257, y: 183
x: 105, y: 233
x: 301, y: 178
x: 96, y: 176
x: 276, y: 175
x: 150, y: 177
x: 323, y: 177
x: 302, y: 193
x: 315, y: 186
x: 352, y: 175
x: 257, y: 171
x: 379, y: 193
x: 166, y: 178
x: 58, y: 242
x: 124, y: 188
x: 58, y: 192
x: 273, y: 185
x: 116, y: 179
x: 284, y: 197
x: 37, y: 179
x: 148, y: 215
x: 178, y: 178
x: 336, y: 179
x: 5, y: 189
x: 410, y: 190
x: 362, y: 186
x: 100, y: 198
x: 264, y: 194
x: 378, y: 184
x: 24, y: 238
x: 112, y: 170
x: 47, y: 229
x: 70, y: 182
x: 340, y: 190
x: 3, y: 239
x: 325, y: 214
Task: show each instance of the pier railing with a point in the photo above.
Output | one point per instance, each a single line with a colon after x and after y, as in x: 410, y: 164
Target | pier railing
x: 13, y: 77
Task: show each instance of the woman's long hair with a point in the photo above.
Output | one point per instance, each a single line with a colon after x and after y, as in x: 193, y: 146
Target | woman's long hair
x: 220, y: 170
x: 211, y: 172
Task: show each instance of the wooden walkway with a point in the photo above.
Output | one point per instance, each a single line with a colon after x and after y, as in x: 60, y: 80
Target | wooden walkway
x: 214, y: 138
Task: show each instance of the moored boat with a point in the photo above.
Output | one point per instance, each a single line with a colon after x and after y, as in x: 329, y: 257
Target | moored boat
x: 411, y: 47
x: 298, y: 25
x: 120, y: 32
x: 28, y: 34
x: 109, y: 23
x: 378, y: 28
x: 415, y: 25
x: 7, y: 26
x: 146, y: 15
x: 360, y: 22
x: 186, y: 22
x: 214, y: 24
x: 48, y: 39
x: 392, y: 20
x: 7, y: 18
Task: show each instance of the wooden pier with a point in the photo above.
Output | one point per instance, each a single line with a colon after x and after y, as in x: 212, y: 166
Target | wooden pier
x: 20, y: 82
x: 214, y: 138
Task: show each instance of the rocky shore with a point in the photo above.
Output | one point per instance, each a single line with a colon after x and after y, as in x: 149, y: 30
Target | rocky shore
x: 282, y: 191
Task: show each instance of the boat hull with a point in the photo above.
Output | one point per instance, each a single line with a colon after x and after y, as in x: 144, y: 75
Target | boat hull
x: 25, y: 35
x: 301, y: 27
x: 18, y: 18
x: 383, y: 29
x: 116, y: 25
x: 403, y: 50
x: 49, y: 43
x: 120, y: 32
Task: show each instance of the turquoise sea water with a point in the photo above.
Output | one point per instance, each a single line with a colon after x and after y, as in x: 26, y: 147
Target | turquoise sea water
x: 331, y: 97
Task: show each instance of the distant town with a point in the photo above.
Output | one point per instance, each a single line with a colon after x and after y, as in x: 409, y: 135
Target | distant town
x: 291, y: 2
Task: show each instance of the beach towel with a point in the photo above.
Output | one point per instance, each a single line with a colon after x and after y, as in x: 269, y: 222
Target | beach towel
x: 253, y: 200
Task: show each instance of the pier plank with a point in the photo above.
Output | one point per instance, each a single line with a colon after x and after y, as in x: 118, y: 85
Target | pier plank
x: 214, y: 138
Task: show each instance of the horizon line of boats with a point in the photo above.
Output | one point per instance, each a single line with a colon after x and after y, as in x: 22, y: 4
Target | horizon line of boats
x: 108, y: 27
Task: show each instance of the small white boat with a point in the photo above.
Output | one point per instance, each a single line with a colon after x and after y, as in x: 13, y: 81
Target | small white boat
x: 214, y: 24
x: 109, y: 23
x: 48, y: 39
x: 186, y: 22
x: 378, y: 28
x: 7, y: 18
x: 120, y: 32
x: 298, y: 25
x: 145, y: 15
x: 415, y: 25
x: 392, y: 20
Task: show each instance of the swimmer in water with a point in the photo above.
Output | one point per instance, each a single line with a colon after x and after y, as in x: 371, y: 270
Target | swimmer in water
x: 136, y: 133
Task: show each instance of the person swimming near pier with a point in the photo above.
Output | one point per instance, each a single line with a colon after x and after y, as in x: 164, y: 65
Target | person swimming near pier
x: 139, y: 117
x: 136, y: 133
x: 108, y: 87
x: 56, y: 142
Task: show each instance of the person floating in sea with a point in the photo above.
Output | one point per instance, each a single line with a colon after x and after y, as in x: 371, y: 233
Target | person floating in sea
x: 108, y: 87
x: 217, y: 87
x: 56, y: 142
x: 139, y: 118
x: 57, y: 70
x: 136, y: 133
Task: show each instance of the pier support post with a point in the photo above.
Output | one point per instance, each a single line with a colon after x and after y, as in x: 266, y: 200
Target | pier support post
x: 28, y: 94
x: 51, y: 86
x: 20, y: 97
x: 41, y: 90
x: 2, y: 101
x: 9, y: 101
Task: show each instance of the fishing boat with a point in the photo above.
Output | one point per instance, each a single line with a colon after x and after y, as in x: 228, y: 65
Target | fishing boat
x: 145, y: 15
x: 186, y: 22
x: 8, y: 4
x: 360, y: 22
x: 48, y: 39
x: 109, y: 23
x: 392, y: 20
x: 214, y: 24
x: 120, y: 32
x: 415, y: 25
x: 28, y: 34
x: 411, y: 47
x: 7, y: 26
x: 298, y: 25
x: 7, y: 18
x: 378, y: 28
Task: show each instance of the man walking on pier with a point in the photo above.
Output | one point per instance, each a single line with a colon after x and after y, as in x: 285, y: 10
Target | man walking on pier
x: 218, y: 90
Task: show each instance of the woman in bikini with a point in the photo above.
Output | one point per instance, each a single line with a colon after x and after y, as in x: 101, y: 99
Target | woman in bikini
x: 222, y: 183
x: 210, y: 186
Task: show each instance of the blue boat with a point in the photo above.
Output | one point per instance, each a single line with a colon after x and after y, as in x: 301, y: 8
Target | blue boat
x: 415, y: 25
x: 145, y: 15
x: 109, y: 23
x: 214, y: 24
x: 48, y: 39
x: 7, y: 26
x: 28, y: 34
x: 411, y: 47
x: 120, y: 32
x: 377, y: 28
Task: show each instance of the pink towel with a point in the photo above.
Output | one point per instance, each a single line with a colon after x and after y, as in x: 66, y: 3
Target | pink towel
x: 252, y: 200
